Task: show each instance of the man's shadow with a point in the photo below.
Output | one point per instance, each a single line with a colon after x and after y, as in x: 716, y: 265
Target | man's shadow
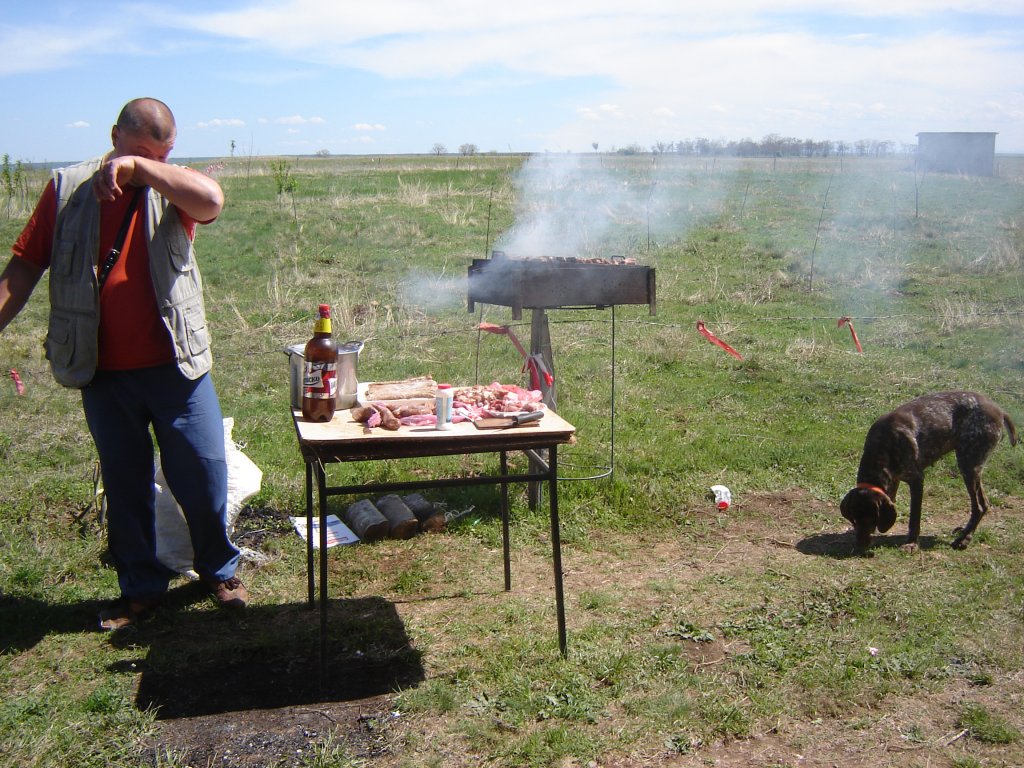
x: 202, y: 662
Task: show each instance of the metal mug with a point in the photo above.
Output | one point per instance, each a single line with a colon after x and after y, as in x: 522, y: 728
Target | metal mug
x: 348, y: 377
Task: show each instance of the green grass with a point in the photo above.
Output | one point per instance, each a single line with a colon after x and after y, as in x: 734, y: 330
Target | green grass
x: 687, y: 627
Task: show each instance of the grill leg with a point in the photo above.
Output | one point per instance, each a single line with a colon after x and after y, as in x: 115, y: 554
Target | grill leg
x: 540, y: 344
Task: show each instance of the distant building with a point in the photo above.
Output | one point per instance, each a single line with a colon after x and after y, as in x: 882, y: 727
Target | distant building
x: 957, y: 152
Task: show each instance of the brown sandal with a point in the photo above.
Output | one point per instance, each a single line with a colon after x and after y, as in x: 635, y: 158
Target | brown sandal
x: 125, y: 612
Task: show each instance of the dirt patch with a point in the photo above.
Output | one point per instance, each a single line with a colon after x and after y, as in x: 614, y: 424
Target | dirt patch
x: 286, y: 736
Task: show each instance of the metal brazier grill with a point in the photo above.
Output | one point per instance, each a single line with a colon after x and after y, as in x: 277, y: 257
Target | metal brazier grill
x: 544, y: 283
x: 557, y: 282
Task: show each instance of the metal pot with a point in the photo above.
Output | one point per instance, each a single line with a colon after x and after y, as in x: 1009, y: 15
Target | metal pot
x: 348, y: 380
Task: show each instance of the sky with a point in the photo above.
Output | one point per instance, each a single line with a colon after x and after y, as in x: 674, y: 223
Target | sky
x: 297, y: 77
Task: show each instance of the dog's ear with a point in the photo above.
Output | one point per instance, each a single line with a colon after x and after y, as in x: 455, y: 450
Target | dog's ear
x: 886, y: 514
x: 846, y: 506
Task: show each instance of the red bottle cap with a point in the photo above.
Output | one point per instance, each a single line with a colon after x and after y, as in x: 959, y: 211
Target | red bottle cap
x: 325, y: 310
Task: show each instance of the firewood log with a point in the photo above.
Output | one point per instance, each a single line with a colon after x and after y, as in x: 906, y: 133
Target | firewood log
x: 402, y: 523
x: 434, y: 524
x: 420, y: 506
x: 366, y: 521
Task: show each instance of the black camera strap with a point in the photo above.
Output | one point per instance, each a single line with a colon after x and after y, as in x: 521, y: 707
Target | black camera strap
x: 115, y: 252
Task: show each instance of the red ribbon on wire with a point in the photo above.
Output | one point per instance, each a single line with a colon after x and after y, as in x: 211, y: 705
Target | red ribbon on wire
x: 717, y: 341
x: 532, y: 363
x: 19, y: 387
x: 535, y: 364
x: 503, y: 330
x: 847, y: 321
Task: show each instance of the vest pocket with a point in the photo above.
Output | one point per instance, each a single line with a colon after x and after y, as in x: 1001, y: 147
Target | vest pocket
x: 195, y: 329
x: 57, y: 343
x: 69, y: 359
x: 180, y: 249
x: 64, y: 259
x: 188, y: 329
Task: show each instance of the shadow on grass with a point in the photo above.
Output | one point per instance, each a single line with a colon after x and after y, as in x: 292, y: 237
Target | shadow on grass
x: 841, y: 546
x: 24, y: 621
x: 202, y: 662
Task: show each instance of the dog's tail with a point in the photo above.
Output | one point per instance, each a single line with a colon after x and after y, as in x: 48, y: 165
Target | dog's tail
x: 1011, y: 430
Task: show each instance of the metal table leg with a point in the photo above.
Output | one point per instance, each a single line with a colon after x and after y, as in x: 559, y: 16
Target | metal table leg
x: 321, y: 486
x: 556, y: 546
x: 311, y: 588
x: 504, y: 521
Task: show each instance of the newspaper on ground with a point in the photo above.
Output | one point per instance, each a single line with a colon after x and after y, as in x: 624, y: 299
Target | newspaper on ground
x: 337, y: 531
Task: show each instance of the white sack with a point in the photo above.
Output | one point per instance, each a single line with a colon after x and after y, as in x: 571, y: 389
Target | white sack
x: 173, y: 545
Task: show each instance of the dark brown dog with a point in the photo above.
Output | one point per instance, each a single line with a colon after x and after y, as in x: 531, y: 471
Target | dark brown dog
x: 902, y: 444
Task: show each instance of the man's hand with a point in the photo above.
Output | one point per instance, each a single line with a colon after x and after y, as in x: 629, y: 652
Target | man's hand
x: 113, y: 176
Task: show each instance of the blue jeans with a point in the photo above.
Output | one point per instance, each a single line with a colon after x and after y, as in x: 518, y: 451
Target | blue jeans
x: 120, y: 407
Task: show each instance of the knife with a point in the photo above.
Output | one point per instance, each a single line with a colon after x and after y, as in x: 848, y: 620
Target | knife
x: 525, y: 418
x: 507, y: 422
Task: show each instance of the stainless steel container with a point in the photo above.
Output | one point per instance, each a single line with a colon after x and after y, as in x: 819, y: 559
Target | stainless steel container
x: 348, y: 376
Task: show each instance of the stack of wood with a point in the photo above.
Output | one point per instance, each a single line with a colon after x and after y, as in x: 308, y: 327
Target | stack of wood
x: 393, y: 516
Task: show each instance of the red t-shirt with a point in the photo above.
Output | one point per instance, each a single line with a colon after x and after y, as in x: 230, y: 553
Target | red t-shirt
x: 132, y: 333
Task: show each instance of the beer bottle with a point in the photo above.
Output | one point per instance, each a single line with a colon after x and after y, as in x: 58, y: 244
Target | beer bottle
x: 319, y: 371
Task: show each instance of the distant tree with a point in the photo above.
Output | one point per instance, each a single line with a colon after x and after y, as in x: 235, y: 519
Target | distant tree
x: 232, y: 147
x: 467, y: 149
x: 772, y: 144
x: 323, y: 153
x: 885, y: 148
x: 15, y: 182
x: 439, y: 149
x: 685, y: 147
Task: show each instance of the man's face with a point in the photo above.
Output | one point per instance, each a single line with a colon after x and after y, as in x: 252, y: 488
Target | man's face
x: 143, y: 145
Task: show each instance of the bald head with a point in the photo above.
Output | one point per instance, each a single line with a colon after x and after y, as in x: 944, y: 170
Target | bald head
x: 145, y: 127
x: 148, y: 117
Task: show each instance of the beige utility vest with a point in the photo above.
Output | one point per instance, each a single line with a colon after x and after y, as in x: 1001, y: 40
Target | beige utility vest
x: 73, y: 332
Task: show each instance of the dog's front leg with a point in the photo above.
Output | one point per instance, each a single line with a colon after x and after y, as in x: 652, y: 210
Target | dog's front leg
x: 916, y: 486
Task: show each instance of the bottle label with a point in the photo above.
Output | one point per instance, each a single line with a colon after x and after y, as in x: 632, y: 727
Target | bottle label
x: 320, y: 380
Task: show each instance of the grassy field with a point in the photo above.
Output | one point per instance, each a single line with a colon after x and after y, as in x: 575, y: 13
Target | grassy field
x: 696, y: 637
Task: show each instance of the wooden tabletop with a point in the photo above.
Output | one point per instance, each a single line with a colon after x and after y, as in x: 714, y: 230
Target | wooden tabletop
x: 343, y: 439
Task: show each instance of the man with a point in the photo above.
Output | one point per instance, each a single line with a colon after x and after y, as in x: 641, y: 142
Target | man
x: 127, y: 327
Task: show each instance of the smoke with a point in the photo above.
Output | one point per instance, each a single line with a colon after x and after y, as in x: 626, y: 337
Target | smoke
x: 587, y: 205
x: 432, y: 292
x: 562, y: 208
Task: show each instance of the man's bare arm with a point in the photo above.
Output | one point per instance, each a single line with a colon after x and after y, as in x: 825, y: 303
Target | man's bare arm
x: 17, y: 281
x: 195, y: 193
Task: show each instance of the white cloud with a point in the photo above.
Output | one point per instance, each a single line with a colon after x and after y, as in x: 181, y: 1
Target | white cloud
x: 600, y: 112
x: 218, y: 122
x: 299, y: 120
x: 887, y: 68
x: 78, y: 124
x: 49, y: 47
